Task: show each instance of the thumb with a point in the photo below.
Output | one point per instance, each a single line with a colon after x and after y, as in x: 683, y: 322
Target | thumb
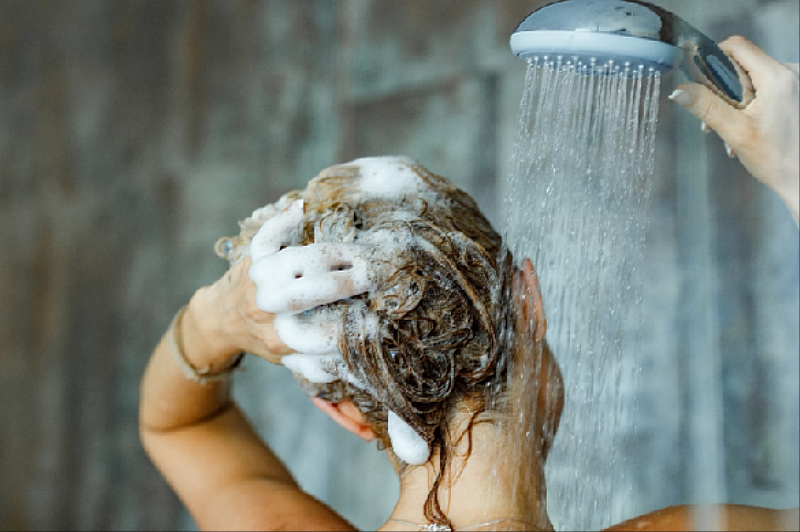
x: 711, y: 109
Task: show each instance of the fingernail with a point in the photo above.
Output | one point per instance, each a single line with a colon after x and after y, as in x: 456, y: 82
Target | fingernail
x: 704, y: 128
x: 681, y: 97
x: 299, y: 204
x: 729, y: 151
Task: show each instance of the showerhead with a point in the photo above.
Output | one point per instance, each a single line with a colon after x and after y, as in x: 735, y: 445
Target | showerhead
x: 629, y: 32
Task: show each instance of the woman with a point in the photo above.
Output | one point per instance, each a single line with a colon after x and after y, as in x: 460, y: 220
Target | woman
x: 380, y: 287
x: 228, y: 478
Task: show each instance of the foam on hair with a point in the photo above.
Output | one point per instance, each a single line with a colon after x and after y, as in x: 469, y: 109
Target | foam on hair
x: 425, y: 335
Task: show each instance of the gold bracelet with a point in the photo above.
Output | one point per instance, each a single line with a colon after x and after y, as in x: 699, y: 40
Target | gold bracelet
x: 199, y: 375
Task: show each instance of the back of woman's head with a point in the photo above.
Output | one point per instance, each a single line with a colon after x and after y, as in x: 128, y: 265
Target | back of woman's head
x: 430, y: 335
x: 427, y: 335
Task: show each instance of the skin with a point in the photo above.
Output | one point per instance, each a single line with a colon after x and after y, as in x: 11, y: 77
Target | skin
x: 199, y: 438
x: 229, y: 479
x: 765, y: 135
x: 730, y: 517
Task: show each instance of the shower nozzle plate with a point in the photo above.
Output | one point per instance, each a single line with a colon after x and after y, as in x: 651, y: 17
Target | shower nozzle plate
x: 600, y: 48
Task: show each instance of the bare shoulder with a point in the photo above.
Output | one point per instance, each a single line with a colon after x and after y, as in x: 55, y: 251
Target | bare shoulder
x: 733, y: 517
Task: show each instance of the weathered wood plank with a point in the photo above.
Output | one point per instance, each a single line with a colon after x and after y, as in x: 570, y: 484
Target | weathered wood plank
x: 134, y: 133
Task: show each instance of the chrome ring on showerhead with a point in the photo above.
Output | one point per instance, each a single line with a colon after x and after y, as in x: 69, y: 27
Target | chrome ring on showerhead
x: 597, y: 48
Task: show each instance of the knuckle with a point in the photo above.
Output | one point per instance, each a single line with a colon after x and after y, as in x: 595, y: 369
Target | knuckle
x: 250, y: 308
x: 707, y: 111
x: 731, y: 43
x: 273, y: 343
x: 745, y: 136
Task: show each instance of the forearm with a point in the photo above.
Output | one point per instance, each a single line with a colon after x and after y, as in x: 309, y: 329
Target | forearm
x: 168, y: 399
x: 194, y: 433
x: 208, y: 461
x: 201, y: 442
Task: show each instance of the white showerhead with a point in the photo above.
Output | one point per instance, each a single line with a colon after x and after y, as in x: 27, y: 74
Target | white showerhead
x: 632, y: 33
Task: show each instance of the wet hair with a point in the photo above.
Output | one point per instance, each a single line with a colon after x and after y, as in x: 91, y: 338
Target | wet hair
x: 439, y: 305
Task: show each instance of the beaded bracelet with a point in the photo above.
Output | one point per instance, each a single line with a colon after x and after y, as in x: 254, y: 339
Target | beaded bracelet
x: 199, y: 375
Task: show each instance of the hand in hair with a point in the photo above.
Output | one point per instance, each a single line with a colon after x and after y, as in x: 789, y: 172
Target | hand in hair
x: 238, y: 312
x: 196, y: 435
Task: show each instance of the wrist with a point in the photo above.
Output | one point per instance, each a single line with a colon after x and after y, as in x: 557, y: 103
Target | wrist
x: 203, y: 341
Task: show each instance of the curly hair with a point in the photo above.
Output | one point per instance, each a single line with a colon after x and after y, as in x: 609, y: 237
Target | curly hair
x: 438, y: 303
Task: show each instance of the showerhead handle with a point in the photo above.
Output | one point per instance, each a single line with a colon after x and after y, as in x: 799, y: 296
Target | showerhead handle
x: 570, y: 24
x: 704, y: 61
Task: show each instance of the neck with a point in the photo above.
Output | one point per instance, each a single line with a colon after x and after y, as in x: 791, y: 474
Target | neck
x: 495, y: 482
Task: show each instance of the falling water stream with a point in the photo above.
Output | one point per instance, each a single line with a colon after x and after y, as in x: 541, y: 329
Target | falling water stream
x: 576, y: 205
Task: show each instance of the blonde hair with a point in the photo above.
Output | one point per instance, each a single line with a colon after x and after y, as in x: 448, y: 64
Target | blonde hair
x: 440, y: 304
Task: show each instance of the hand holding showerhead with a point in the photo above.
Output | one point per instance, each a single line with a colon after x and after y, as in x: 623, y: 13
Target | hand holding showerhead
x: 766, y: 134
x: 604, y: 36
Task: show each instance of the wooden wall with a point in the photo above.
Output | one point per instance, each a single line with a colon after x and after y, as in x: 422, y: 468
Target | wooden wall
x: 133, y: 134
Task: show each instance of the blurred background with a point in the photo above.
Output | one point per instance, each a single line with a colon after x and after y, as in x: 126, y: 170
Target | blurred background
x: 134, y: 134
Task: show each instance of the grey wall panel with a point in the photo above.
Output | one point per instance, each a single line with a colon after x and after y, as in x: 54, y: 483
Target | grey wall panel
x: 133, y: 134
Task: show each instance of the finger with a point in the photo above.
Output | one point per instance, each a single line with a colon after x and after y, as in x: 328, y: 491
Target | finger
x: 794, y: 67
x: 278, y: 232
x: 727, y: 121
x: 300, y: 278
x: 322, y: 369
x: 518, y: 293
x: 319, y: 366
x: 758, y: 64
x: 731, y: 153
x: 523, y: 301
x: 315, y: 332
x: 527, y: 269
x: 314, y: 368
x: 530, y: 284
x: 311, y: 291
x: 238, y: 277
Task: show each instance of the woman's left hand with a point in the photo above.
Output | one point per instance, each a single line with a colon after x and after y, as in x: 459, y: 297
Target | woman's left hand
x: 765, y: 134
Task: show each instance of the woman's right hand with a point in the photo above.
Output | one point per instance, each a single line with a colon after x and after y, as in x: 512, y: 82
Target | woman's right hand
x: 223, y: 321
x: 765, y: 135
x: 195, y: 434
x: 238, y: 312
